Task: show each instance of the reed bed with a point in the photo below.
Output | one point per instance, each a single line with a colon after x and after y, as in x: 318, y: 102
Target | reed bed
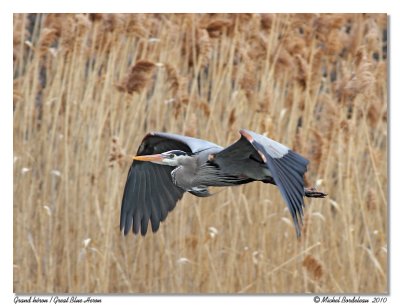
x: 88, y: 87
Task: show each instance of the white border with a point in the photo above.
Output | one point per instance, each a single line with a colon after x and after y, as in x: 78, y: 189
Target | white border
x: 6, y: 124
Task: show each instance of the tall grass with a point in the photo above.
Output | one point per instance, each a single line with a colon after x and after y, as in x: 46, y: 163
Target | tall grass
x: 87, y: 89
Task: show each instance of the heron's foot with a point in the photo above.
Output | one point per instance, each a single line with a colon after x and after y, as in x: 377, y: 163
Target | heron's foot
x: 314, y: 193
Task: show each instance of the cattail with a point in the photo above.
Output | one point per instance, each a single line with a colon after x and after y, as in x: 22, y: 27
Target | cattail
x: 137, y: 78
x: 313, y: 267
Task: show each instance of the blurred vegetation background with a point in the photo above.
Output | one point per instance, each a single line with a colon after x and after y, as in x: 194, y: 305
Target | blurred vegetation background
x: 88, y: 87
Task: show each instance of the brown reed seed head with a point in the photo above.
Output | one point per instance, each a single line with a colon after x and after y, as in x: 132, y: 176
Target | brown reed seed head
x: 117, y: 154
x: 47, y: 38
x: 137, y: 78
x: 313, y: 267
x: 216, y: 27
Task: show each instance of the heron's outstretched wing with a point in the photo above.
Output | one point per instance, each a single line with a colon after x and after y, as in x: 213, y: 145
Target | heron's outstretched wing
x: 149, y: 192
x: 287, y: 169
x: 255, y: 157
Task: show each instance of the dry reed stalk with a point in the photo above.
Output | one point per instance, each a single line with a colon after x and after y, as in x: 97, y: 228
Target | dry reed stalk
x: 204, y: 107
x: 192, y: 126
x: 20, y: 35
x: 302, y: 71
x: 172, y: 79
x: 248, y: 82
x: 203, y: 47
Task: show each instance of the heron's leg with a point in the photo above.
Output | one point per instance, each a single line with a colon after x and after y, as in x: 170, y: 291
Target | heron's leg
x: 314, y: 193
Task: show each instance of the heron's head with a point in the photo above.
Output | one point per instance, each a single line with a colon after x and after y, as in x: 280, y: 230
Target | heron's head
x: 169, y: 158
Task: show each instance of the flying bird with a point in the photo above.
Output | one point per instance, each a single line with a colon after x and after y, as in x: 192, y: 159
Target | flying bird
x: 168, y: 165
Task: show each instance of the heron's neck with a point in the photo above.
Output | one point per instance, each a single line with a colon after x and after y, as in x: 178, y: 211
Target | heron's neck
x: 186, y: 161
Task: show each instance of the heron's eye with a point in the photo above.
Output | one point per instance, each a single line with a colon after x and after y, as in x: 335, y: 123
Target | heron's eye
x: 171, y: 155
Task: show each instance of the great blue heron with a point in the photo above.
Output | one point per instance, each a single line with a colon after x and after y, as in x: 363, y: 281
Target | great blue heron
x: 167, y: 165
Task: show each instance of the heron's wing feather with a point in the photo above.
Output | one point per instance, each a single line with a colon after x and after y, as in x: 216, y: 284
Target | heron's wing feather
x: 236, y: 164
x: 149, y: 192
x: 240, y: 150
x: 287, y: 169
x: 195, y: 145
x: 288, y: 177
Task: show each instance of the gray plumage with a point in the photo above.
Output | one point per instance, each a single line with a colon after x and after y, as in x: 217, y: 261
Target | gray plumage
x: 167, y: 165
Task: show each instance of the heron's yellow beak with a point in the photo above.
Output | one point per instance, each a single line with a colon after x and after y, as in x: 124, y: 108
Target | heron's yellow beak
x: 155, y: 157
